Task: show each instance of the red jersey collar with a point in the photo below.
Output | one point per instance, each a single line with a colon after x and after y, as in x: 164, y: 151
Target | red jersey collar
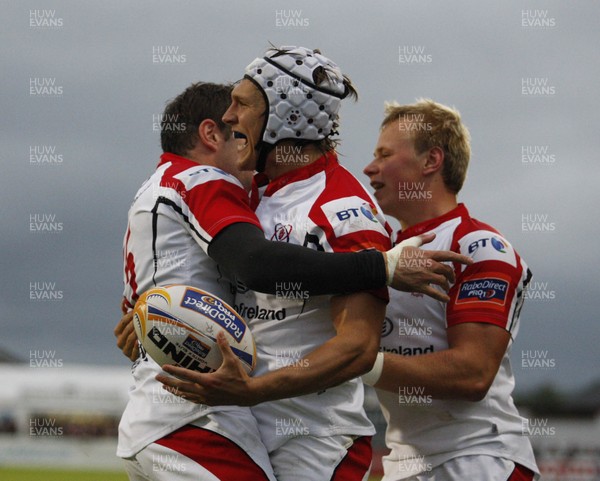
x: 427, y: 225
x: 169, y: 157
x: 326, y: 162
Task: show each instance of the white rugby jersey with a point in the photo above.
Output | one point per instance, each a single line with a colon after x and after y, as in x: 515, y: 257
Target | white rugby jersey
x: 423, y: 432
x: 320, y: 206
x: 173, y: 218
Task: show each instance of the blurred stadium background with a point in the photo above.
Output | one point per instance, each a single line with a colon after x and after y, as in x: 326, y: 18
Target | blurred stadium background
x: 59, y: 423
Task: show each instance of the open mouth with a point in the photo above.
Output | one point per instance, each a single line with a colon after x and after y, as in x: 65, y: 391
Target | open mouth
x: 241, y: 139
x: 377, y: 185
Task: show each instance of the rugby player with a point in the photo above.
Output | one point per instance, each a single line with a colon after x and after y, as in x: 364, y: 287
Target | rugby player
x: 171, y: 224
x: 445, y: 377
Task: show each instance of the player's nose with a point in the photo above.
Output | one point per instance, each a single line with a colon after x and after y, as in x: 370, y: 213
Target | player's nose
x: 229, y: 116
x: 370, y: 169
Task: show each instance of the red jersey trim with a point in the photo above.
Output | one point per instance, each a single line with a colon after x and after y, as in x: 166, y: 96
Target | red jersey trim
x: 471, y: 302
x: 341, y: 183
x: 214, y: 204
x: 177, y: 159
x: 459, y: 211
x: 475, y: 315
x: 490, y: 308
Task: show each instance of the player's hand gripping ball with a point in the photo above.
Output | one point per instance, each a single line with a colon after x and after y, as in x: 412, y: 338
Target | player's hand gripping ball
x: 178, y: 324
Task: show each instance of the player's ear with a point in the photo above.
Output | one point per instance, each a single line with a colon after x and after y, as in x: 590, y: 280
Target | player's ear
x: 209, y: 134
x: 434, y: 160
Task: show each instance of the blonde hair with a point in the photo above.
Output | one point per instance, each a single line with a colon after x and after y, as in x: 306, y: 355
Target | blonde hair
x: 436, y: 125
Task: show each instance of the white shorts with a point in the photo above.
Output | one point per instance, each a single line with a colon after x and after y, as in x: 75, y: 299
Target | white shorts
x: 200, y: 452
x: 335, y: 458
x: 480, y: 467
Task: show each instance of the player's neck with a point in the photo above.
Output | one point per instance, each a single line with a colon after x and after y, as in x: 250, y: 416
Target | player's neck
x: 287, y: 157
x: 202, y: 156
x: 415, y: 212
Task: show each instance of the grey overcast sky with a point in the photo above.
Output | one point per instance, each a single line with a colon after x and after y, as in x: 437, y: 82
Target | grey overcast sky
x: 82, y: 83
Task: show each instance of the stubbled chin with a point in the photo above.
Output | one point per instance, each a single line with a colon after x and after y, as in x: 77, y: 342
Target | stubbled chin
x: 247, y: 159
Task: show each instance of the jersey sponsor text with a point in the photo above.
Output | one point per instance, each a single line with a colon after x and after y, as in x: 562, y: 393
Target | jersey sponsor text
x: 257, y: 312
x: 408, y: 351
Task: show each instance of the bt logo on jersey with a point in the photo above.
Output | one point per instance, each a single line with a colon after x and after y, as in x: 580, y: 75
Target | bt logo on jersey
x: 347, y: 214
x: 496, y: 243
x: 365, y: 209
x: 369, y: 212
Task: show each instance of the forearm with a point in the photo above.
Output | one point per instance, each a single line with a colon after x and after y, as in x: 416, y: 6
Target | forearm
x: 293, y: 270
x: 331, y: 364
x: 464, y: 371
x: 357, y: 319
x: 442, y: 375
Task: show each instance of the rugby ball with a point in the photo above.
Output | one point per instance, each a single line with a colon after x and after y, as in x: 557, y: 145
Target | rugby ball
x: 178, y: 324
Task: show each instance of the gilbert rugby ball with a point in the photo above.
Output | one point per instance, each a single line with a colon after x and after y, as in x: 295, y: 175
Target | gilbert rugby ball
x: 178, y: 324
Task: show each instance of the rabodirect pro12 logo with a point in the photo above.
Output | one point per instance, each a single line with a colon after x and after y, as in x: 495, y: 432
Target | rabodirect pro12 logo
x: 215, y: 310
x: 485, y: 290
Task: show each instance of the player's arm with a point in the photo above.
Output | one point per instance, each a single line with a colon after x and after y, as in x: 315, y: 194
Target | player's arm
x: 464, y: 371
x: 126, y: 337
x: 262, y: 265
x: 241, y: 249
x: 357, y: 319
x: 125, y: 333
x: 478, y: 329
